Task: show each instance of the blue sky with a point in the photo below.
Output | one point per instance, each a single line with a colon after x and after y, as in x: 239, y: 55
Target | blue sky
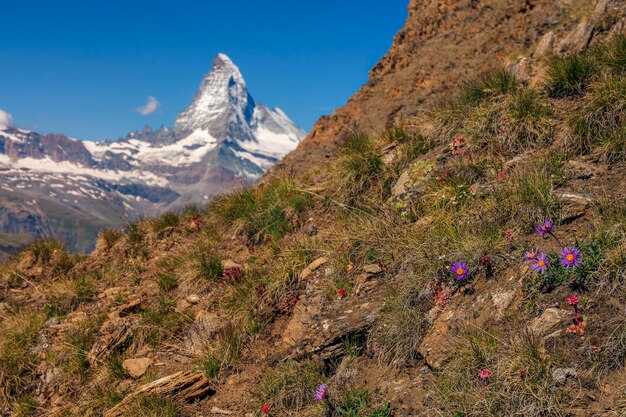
x: 82, y: 68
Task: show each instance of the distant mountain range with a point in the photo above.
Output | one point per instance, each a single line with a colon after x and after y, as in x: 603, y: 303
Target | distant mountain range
x: 55, y: 185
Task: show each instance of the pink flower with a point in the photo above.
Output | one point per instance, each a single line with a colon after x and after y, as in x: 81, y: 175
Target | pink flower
x: 501, y: 175
x: 508, y: 234
x: 484, y: 373
x: 573, y: 300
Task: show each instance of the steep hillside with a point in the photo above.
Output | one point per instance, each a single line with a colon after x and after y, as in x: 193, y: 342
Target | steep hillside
x: 468, y: 261
x: 52, y: 185
x: 442, y: 44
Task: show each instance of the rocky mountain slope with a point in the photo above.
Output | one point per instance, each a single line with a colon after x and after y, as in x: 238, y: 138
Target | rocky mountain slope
x: 441, y: 45
x: 468, y: 261
x: 54, y: 185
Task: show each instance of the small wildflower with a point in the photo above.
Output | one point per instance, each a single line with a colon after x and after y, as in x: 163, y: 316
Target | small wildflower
x: 570, y: 257
x: 321, y: 393
x: 485, y: 261
x: 457, y: 146
x: 579, y: 323
x: 265, y: 408
x: 508, y: 234
x: 501, y: 175
x: 484, y: 374
x: 573, y: 300
x: 341, y: 293
x: 544, y: 228
x: 532, y: 255
x: 521, y: 374
x: 540, y: 266
x: 460, y: 270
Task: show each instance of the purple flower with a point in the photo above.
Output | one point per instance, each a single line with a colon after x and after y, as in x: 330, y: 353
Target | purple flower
x: 540, y: 266
x: 460, y: 270
x: 544, y: 228
x: 321, y: 392
x: 570, y: 257
x: 532, y: 255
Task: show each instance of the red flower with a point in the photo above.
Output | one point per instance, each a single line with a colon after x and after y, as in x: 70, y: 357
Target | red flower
x: 521, y: 374
x: 265, y: 408
x: 341, y: 293
x: 484, y: 374
x: 573, y: 300
x: 501, y: 175
x: 485, y: 261
x: 508, y: 234
x: 341, y: 247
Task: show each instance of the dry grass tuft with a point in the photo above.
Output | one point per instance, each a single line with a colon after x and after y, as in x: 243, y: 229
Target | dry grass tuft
x: 520, y: 381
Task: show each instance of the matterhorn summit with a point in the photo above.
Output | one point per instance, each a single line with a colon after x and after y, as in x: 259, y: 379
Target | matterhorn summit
x: 224, y: 110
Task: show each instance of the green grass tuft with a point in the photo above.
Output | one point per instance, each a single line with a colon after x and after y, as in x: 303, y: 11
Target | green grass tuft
x: 613, y: 55
x: 570, y: 76
x: 492, y: 84
x: 599, y: 121
x: 222, y: 353
x: 165, y: 223
x: 289, y: 388
x: 153, y: 406
x: 17, y: 359
x: 264, y: 213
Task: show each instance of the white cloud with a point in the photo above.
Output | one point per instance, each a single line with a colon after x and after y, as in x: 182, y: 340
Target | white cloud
x: 5, y: 118
x: 149, y: 107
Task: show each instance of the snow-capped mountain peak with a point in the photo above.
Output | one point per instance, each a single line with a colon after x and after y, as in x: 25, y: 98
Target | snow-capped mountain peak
x: 251, y: 136
x: 221, y: 102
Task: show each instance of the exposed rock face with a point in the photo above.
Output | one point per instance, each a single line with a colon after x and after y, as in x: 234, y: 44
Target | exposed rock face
x: 442, y: 44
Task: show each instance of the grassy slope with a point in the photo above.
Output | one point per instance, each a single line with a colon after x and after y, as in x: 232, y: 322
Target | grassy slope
x: 475, y: 201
